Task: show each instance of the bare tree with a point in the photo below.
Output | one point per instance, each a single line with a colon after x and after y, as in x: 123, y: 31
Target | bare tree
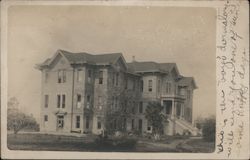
x: 16, y: 120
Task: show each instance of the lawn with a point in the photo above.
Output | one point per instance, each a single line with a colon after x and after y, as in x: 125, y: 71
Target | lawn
x: 29, y: 141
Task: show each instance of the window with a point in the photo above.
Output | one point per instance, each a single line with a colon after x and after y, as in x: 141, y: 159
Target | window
x: 59, y: 98
x: 45, y: 118
x: 79, y: 75
x: 141, y: 85
x: 133, y: 124
x: 100, y: 77
x: 89, y: 75
x: 117, y: 79
x: 116, y: 103
x: 188, y: 94
x: 126, y: 83
x: 63, y: 100
x: 99, y: 124
x: 61, y: 76
x: 168, y: 87
x: 140, y: 124
x: 140, y: 107
x: 64, y: 76
x: 113, y: 78
x: 150, y: 85
x: 79, y: 100
x: 87, y: 122
x: 149, y: 128
x: 58, y: 101
x: 124, y: 123
x: 134, y: 107
x: 115, y: 124
x: 77, y: 121
x: 99, y: 102
x: 133, y: 85
x: 46, y: 99
x: 159, y: 86
x: 46, y: 77
x: 112, y: 102
x: 88, y: 101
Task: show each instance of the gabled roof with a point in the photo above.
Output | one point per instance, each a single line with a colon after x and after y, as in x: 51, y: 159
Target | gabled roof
x: 80, y: 58
x: 140, y: 67
x: 186, y: 81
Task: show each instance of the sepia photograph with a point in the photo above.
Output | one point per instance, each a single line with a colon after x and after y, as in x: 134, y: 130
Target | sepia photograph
x: 113, y: 79
x: 110, y: 78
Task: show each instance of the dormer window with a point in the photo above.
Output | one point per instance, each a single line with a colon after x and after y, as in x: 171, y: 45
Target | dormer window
x: 150, y: 85
x: 79, y: 75
x: 117, y: 79
x: 168, y: 87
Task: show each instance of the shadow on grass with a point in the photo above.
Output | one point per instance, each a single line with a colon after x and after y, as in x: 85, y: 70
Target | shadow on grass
x: 69, y: 143
x: 92, y: 143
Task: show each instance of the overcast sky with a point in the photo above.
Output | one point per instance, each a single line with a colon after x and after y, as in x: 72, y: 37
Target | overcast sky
x: 162, y: 34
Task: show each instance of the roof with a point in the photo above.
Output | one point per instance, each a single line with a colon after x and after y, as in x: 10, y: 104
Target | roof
x: 186, y: 81
x: 150, y: 67
x: 74, y: 58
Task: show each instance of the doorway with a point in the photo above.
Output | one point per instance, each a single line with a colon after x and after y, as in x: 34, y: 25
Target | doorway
x: 140, y: 125
x: 60, y: 123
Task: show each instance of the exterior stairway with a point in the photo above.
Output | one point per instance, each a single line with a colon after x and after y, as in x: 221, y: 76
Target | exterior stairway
x: 182, y: 125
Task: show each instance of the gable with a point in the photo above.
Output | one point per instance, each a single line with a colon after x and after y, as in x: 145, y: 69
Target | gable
x: 59, y: 62
x: 120, y: 64
x: 174, y: 73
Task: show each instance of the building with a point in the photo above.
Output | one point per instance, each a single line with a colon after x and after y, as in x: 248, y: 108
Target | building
x: 88, y: 93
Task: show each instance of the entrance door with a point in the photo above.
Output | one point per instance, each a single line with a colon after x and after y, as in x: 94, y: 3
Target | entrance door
x: 60, y: 122
x: 168, y: 106
x: 140, y: 125
x: 178, y: 110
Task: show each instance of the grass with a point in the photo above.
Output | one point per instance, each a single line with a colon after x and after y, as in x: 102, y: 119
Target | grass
x: 46, y: 142
x: 199, y: 145
x: 49, y: 142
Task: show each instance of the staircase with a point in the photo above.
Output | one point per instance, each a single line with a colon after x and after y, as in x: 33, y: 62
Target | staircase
x: 184, y: 125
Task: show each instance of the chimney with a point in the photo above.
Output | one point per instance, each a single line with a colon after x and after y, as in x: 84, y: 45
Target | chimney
x: 133, y: 58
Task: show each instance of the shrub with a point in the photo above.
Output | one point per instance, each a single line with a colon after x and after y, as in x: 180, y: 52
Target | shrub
x: 208, y: 129
x: 17, y: 121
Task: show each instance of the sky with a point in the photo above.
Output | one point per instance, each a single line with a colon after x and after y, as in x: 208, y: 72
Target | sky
x: 182, y: 35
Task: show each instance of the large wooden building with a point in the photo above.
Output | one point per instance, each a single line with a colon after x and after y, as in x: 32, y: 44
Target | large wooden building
x: 80, y: 91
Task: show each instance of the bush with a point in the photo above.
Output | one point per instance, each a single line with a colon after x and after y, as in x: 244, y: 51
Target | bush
x: 208, y: 129
x: 17, y: 121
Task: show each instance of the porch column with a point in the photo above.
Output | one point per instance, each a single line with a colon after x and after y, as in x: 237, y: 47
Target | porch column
x: 182, y: 111
x: 173, y: 115
x: 164, y: 108
x: 173, y: 109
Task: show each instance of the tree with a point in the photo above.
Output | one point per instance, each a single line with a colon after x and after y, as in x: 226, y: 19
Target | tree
x: 199, y: 122
x: 208, y: 129
x: 16, y: 120
x: 155, y: 117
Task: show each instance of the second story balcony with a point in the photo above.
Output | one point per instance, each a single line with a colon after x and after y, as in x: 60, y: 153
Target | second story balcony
x: 172, y: 95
